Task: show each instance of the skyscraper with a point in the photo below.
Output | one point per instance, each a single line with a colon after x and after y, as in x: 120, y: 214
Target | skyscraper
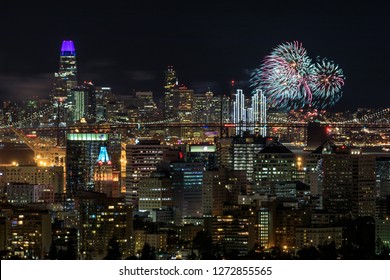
x: 239, y: 112
x: 82, y: 103
x: 66, y: 77
x: 262, y: 114
x: 187, y: 182
x: 182, y: 101
x: 142, y: 161
x: 257, y: 114
x: 349, y: 182
x: 106, y: 180
x: 64, y: 80
x: 82, y: 154
x: 170, y: 83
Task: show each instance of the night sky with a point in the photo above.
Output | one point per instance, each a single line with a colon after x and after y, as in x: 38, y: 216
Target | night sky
x: 128, y: 44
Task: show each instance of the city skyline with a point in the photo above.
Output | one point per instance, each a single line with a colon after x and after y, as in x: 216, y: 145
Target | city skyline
x: 129, y: 46
x: 197, y: 131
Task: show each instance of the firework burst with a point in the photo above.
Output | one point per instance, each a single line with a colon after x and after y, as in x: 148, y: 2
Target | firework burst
x: 327, y: 81
x: 283, y: 76
x: 290, y: 80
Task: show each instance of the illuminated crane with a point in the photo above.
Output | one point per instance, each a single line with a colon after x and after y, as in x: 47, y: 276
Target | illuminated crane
x: 44, y: 154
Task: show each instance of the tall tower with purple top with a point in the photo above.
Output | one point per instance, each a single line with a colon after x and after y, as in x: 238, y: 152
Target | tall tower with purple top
x: 66, y: 77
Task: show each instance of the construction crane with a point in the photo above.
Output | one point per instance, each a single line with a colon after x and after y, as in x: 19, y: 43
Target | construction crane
x: 44, y: 154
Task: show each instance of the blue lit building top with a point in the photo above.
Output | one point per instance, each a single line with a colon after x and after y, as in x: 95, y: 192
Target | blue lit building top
x: 67, y: 49
x: 103, y: 156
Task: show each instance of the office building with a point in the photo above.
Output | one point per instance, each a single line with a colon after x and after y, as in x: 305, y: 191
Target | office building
x: 106, y: 180
x: 82, y: 104
x: 244, y: 152
x: 66, y: 77
x: 316, y: 135
x: 235, y: 231
x: 274, y: 163
x: 141, y: 161
x: 221, y: 187
x: 103, y: 95
x: 207, y: 108
x: 187, y: 180
x: 171, y: 82
x: 82, y: 153
x: 203, y: 153
x: 155, y: 193
x: 22, y: 194
x: 349, y: 182
x: 33, y: 175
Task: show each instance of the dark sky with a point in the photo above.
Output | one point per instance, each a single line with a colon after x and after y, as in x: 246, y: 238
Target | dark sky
x: 128, y: 44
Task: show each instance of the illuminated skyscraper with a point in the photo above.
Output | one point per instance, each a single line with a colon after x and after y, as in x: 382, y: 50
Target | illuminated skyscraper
x: 82, y: 103
x: 207, y: 108
x: 257, y: 114
x: 171, y: 82
x: 82, y: 152
x: 262, y: 115
x: 239, y: 112
x: 64, y: 81
x: 102, y: 96
x: 106, y: 180
x: 182, y: 101
x: 142, y: 160
x: 66, y: 77
x: 225, y: 107
x: 187, y: 182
